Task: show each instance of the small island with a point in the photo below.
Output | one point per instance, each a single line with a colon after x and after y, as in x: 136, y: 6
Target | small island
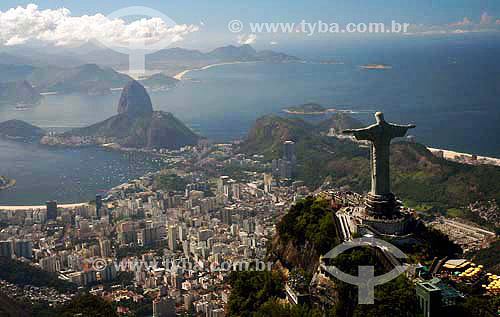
x: 6, y: 182
x: 308, y: 109
x: 375, y: 66
x: 331, y: 62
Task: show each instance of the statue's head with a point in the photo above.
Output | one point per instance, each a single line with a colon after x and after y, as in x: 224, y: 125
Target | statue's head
x: 380, y: 117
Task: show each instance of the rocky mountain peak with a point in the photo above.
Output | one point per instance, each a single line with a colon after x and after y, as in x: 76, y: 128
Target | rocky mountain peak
x: 134, y: 99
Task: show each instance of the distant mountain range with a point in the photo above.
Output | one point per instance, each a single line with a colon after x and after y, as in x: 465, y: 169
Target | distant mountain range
x: 87, y: 70
x: 135, y: 126
x: 92, y: 53
x: 89, y: 79
x: 181, y: 56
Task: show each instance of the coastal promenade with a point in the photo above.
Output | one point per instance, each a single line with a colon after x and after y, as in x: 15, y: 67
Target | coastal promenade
x: 465, y: 157
x: 64, y: 206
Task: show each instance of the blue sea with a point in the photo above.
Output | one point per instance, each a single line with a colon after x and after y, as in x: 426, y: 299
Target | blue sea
x: 65, y: 174
x: 447, y: 87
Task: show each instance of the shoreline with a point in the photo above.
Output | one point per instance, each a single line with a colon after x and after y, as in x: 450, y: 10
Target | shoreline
x: 21, y: 208
x: 327, y: 111
x: 179, y: 76
x: 446, y: 154
x: 459, y: 156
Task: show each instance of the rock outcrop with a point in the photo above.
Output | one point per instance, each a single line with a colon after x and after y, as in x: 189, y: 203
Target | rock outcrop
x: 135, y: 126
x: 134, y: 100
x: 20, y: 92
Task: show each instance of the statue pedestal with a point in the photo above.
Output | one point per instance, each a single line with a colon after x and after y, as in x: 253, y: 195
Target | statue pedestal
x: 383, y: 215
x: 379, y: 206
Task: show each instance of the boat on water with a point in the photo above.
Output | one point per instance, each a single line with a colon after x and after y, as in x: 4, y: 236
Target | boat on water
x: 23, y: 106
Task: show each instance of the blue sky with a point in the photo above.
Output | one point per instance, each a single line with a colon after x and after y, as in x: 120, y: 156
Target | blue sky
x: 216, y: 11
x: 214, y: 15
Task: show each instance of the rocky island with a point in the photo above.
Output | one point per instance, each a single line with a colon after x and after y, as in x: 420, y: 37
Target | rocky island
x: 375, y: 66
x: 136, y: 125
x: 6, y: 182
x: 308, y: 109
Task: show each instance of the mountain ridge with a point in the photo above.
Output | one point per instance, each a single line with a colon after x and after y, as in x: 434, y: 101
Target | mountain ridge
x: 418, y: 177
x: 19, y: 129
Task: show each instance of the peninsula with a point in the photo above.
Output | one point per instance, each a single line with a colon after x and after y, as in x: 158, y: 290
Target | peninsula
x: 20, y: 130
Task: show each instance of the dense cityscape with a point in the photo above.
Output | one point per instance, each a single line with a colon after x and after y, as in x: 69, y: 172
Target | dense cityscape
x: 167, y: 242
x: 269, y: 166
x: 177, y: 245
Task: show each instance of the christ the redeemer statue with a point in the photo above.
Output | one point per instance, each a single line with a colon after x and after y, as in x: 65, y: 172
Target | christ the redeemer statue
x: 380, y: 135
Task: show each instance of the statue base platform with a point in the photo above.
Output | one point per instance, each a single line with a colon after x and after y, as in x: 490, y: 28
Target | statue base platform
x: 382, y: 206
x: 385, y: 215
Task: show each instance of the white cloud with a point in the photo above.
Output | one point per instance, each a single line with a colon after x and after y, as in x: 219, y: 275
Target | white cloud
x: 273, y: 43
x: 246, y: 39
x: 25, y: 24
x: 464, y: 26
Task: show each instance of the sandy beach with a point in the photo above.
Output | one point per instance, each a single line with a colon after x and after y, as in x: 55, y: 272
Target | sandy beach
x: 453, y: 155
x: 181, y: 74
x: 64, y: 206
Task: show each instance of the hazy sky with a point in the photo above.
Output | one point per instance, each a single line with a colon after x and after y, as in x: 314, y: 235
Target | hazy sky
x: 209, y: 19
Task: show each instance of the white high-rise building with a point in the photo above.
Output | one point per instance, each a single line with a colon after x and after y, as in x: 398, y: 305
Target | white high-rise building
x: 172, y: 238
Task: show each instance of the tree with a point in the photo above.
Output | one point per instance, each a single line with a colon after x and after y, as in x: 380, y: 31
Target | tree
x: 310, y: 219
x: 89, y: 306
x: 276, y: 309
x: 251, y: 289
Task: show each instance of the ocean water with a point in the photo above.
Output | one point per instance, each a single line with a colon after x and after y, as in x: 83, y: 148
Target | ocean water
x: 448, y: 88
x: 64, y: 174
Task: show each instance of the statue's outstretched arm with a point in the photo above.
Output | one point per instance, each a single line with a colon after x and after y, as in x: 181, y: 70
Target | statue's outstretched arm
x: 399, y: 131
x: 360, y: 134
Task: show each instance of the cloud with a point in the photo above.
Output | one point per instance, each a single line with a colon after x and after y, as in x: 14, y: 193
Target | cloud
x: 464, y: 26
x: 246, y: 39
x: 273, y: 43
x: 22, y: 25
